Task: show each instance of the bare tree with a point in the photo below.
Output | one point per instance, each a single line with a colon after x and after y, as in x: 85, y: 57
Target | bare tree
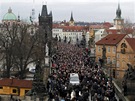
x: 20, y: 48
x: 7, y: 43
x: 128, y: 28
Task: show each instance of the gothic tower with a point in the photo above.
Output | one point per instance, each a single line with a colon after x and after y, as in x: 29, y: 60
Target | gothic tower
x: 118, y: 21
x: 71, y: 22
x: 45, y: 22
x: 45, y: 19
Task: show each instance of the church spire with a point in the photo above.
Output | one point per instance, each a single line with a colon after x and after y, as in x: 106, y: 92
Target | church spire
x: 118, y: 21
x: 71, y: 19
x: 118, y: 12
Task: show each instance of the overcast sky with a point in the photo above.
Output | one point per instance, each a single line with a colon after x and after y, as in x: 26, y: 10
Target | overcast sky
x: 83, y: 10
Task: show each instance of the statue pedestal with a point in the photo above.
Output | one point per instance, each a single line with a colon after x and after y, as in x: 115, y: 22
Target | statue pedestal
x: 46, y: 74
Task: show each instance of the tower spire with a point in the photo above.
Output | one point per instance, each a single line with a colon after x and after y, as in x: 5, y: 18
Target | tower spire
x: 71, y: 18
x: 118, y: 12
x: 44, y: 11
x: 33, y: 12
x: 18, y: 17
x: 118, y: 21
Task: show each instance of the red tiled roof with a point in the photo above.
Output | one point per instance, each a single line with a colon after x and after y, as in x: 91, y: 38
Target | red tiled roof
x: 16, y: 83
x: 55, y: 25
x: 72, y: 28
x: 112, y: 31
x: 64, y: 23
x: 111, y: 39
x: 107, y: 25
x: 131, y: 42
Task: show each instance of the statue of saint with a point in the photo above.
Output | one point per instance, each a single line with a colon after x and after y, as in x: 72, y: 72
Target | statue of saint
x: 46, y: 50
x: 56, y: 38
x: 89, y: 43
x: 104, y: 51
x: 130, y: 73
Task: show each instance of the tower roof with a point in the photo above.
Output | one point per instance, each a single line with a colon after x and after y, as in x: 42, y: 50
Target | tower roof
x: 71, y: 19
x: 9, y: 15
x: 118, y: 12
x: 44, y: 11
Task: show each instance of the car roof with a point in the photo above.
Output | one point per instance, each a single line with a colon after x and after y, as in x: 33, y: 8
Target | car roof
x: 73, y: 74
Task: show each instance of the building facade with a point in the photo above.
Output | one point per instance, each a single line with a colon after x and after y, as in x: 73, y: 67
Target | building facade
x: 111, y: 42
x: 70, y: 31
x: 125, y: 55
x: 15, y: 86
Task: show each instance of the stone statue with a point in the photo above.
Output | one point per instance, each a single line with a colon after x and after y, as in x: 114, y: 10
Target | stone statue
x: 46, y: 50
x: 89, y: 43
x: 65, y: 39
x: 130, y: 73
x: 59, y: 39
x: 56, y: 38
x: 104, y: 55
x: 104, y: 51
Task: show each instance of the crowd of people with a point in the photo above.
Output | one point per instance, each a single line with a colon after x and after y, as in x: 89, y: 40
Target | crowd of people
x: 94, y: 84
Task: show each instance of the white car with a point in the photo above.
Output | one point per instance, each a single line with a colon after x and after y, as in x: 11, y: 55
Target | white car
x: 74, y: 79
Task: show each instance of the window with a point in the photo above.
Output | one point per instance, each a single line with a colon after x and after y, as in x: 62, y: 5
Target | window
x: 118, y: 65
x: 114, y: 50
x: 113, y: 61
x: 99, y: 49
x: 14, y: 91
x: 108, y: 60
x: 108, y: 49
x: 118, y: 56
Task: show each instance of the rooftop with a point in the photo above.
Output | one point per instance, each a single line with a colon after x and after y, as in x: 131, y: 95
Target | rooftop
x: 131, y: 42
x: 111, y: 39
x: 16, y: 83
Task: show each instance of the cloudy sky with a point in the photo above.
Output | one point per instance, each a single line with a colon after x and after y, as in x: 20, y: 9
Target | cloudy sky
x: 83, y: 10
